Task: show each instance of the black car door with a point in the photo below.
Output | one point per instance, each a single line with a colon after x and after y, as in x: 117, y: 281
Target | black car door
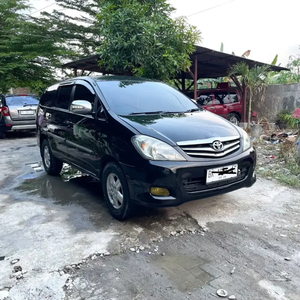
x: 59, y: 129
x: 81, y: 143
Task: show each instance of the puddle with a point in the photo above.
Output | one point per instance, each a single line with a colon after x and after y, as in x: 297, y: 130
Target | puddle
x: 185, y: 271
x: 84, y: 197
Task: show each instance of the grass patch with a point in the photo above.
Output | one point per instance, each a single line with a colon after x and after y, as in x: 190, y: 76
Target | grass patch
x: 290, y: 180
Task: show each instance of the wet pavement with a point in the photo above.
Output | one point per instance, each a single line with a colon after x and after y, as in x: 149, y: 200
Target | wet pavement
x: 69, y: 247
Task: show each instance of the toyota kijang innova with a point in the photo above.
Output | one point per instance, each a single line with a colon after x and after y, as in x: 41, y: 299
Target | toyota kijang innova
x: 145, y: 141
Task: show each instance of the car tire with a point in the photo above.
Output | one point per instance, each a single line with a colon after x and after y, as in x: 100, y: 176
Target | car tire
x: 51, y: 164
x: 116, y: 192
x: 233, y: 118
x: 2, y: 135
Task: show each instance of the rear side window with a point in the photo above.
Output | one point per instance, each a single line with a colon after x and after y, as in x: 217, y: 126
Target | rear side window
x: 64, y: 96
x: 233, y: 97
x: 226, y: 97
x: 205, y: 99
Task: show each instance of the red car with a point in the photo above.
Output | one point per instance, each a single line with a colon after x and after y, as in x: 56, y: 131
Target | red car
x: 223, y: 101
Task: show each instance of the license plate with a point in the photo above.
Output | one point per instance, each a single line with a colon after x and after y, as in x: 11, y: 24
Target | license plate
x: 222, y: 173
x: 27, y: 112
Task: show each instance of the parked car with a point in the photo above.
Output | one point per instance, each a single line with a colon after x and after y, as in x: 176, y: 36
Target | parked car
x: 223, y: 101
x: 17, y: 113
x: 146, y: 142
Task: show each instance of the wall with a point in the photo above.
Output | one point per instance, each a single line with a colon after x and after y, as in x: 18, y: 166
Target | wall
x: 19, y: 91
x: 276, y: 98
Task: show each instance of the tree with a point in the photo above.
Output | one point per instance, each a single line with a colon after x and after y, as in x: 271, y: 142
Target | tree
x: 140, y: 37
x: 248, y: 79
x: 26, y: 59
x: 76, y: 23
x: 292, y: 76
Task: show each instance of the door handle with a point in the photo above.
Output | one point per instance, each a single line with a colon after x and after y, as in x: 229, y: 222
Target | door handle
x: 48, y: 116
x: 210, y: 107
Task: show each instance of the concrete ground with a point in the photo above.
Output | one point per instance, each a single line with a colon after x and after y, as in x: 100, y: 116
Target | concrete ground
x: 58, y: 241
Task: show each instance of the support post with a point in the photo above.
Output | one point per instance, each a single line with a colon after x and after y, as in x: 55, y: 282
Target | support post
x: 195, y: 77
x: 245, y: 106
x: 182, y: 81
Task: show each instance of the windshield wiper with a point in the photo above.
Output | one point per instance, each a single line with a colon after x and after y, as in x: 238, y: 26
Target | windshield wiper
x: 29, y: 104
x: 159, y: 112
x: 192, y: 110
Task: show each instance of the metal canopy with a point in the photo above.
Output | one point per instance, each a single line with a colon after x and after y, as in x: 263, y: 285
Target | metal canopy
x: 213, y: 64
x: 210, y: 64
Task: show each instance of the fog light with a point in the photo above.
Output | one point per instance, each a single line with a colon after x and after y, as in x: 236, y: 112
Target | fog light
x: 156, y: 191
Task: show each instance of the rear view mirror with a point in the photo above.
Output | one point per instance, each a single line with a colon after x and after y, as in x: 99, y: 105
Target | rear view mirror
x: 82, y: 107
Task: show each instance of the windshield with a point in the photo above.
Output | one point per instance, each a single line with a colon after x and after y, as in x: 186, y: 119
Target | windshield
x: 138, y: 97
x: 21, y: 101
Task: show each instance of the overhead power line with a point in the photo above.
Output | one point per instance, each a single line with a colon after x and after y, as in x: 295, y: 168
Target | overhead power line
x: 43, y: 8
x: 201, y: 11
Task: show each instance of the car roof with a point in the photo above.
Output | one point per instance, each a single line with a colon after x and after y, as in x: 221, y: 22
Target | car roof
x: 105, y: 78
x: 217, y: 90
x: 18, y: 95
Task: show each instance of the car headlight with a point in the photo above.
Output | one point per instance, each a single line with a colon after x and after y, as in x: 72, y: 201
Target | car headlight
x: 246, y: 140
x: 154, y: 149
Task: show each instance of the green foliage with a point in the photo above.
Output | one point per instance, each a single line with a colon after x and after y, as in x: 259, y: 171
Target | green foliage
x: 75, y: 23
x: 291, y: 122
x: 24, y: 59
x: 274, y: 62
x: 282, y: 114
x: 285, y: 77
x: 253, y: 80
x: 142, y: 38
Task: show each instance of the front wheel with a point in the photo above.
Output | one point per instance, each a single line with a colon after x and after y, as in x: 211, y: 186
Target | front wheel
x: 116, y: 192
x: 233, y: 118
x: 51, y: 164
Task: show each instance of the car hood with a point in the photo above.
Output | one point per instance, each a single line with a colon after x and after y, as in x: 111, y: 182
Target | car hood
x: 182, y: 126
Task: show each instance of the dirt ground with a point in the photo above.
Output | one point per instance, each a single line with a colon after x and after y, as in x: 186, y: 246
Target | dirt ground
x: 58, y: 241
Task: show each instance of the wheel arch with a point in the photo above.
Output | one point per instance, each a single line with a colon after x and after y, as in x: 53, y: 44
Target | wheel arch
x: 235, y: 113
x: 104, y: 161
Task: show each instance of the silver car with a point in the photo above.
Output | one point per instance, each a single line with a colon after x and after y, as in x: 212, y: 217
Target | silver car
x: 17, y: 113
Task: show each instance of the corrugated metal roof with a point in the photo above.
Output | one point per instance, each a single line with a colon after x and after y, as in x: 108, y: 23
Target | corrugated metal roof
x: 211, y: 64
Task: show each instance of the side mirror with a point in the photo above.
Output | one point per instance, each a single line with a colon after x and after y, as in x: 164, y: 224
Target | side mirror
x: 82, y: 107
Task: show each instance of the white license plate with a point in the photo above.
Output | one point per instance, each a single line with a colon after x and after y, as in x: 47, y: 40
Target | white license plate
x: 222, y: 173
x: 27, y: 112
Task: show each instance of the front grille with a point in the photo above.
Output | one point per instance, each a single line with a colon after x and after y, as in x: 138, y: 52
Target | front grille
x: 204, y: 148
x: 194, y: 185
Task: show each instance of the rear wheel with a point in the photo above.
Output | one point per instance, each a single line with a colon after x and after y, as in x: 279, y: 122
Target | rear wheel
x: 2, y: 135
x: 51, y: 164
x: 116, y: 192
x: 233, y: 118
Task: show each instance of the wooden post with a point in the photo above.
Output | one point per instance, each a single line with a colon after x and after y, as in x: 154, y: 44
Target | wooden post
x: 195, y: 78
x: 183, y: 82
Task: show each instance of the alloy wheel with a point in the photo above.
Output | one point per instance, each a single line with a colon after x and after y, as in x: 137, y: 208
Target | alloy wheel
x: 114, y: 190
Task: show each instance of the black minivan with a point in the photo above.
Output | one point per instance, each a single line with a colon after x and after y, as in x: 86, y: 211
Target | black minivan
x: 146, y: 142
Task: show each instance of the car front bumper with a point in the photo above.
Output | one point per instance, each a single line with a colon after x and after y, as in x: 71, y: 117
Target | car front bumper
x: 186, y: 181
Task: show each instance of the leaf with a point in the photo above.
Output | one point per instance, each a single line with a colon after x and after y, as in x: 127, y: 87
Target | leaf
x: 274, y: 62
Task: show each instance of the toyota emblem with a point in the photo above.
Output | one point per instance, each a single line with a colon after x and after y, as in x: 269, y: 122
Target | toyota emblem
x: 218, y: 146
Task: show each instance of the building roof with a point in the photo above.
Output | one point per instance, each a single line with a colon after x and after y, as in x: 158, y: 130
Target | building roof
x: 211, y: 64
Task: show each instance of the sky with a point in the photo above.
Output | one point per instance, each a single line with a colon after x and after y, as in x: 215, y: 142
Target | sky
x: 266, y: 27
